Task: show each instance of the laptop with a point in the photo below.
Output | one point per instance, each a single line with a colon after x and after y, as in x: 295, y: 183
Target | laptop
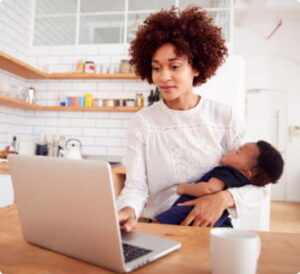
x: 69, y: 206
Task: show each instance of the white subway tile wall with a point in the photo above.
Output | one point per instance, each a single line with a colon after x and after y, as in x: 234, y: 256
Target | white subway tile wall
x: 15, y: 27
x: 100, y: 132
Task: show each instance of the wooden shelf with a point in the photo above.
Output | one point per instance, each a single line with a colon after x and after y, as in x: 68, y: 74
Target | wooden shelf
x: 20, y: 68
x: 17, y: 67
x: 17, y: 103
x: 91, y: 76
x: 118, y: 109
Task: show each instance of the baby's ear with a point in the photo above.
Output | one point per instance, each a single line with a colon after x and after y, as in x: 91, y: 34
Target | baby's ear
x: 247, y: 173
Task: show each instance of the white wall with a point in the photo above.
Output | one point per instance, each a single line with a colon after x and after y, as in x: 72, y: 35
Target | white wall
x: 228, y: 85
x: 275, y: 64
x: 15, y: 27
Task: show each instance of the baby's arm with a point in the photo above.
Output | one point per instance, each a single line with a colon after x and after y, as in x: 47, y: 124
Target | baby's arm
x: 202, y: 188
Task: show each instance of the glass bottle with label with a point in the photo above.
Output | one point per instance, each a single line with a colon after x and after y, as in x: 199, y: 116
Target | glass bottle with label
x: 139, y: 100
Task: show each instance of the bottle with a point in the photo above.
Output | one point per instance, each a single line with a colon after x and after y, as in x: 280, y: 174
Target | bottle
x: 139, y: 100
x: 151, y: 97
x: 157, y: 95
x: 30, y: 97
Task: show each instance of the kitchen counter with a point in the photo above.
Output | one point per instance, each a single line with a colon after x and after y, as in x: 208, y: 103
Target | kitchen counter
x: 116, y: 168
x: 118, y: 172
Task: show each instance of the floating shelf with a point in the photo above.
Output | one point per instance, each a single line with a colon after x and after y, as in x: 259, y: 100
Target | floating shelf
x: 17, y: 103
x: 20, y: 68
x: 17, y: 67
x: 91, y: 76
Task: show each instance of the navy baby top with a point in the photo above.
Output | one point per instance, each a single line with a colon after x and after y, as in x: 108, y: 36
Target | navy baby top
x: 229, y: 175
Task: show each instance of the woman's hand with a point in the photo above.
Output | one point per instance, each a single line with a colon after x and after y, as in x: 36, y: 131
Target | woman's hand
x: 127, y: 218
x: 207, y: 209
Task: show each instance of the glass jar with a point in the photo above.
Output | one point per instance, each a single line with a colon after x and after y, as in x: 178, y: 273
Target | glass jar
x: 129, y: 102
x: 139, y: 100
x: 125, y: 66
x: 89, y: 67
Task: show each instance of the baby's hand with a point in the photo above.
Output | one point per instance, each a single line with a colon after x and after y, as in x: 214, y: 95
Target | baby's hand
x: 180, y: 189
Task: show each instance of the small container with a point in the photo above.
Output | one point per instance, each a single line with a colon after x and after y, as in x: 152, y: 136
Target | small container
x: 30, y: 95
x: 117, y: 102
x: 130, y: 102
x: 75, y: 101
x: 80, y: 66
x: 62, y: 100
x: 89, y: 67
x: 122, y: 102
x: 98, y: 102
x: 125, y: 66
x: 111, y: 68
x: 81, y: 101
x: 104, y: 68
x: 139, y: 100
x: 109, y: 102
x: 88, y: 100
x: 69, y: 101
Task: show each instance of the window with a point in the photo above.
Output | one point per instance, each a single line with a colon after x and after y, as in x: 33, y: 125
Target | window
x: 80, y: 22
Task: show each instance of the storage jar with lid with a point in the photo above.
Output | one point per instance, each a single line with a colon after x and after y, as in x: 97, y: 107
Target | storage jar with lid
x: 124, y: 66
x: 89, y: 67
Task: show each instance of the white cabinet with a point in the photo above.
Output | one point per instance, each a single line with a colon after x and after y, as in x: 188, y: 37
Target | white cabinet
x: 6, y: 191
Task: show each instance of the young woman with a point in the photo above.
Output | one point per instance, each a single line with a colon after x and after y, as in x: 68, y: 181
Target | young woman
x: 184, y: 135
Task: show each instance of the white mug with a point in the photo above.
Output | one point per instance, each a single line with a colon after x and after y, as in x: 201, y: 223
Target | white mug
x: 234, y: 251
x: 26, y: 148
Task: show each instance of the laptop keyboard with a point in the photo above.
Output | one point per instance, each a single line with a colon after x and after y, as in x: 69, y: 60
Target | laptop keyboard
x: 132, y: 252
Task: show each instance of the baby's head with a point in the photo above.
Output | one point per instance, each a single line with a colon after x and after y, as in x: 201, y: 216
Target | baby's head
x: 260, y: 162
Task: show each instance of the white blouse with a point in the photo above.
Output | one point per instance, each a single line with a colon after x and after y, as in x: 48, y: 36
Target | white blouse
x: 166, y: 147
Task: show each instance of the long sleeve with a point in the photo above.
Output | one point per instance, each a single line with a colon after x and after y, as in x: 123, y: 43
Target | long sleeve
x: 135, y: 192
x: 247, y: 198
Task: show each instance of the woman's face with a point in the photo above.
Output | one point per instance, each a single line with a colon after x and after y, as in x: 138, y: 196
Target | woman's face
x: 172, y: 74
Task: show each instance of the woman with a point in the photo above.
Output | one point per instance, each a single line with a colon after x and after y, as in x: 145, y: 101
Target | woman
x: 184, y: 135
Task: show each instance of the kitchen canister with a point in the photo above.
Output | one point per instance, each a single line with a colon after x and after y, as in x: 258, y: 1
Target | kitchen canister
x: 88, y: 100
x: 81, y: 101
x: 124, y: 66
x: 109, y: 102
x: 89, y: 67
x: 98, y: 102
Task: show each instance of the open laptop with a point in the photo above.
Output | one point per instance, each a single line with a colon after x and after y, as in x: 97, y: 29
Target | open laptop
x: 69, y: 206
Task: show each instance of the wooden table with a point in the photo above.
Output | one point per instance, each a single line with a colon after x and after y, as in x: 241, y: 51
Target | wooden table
x: 280, y: 251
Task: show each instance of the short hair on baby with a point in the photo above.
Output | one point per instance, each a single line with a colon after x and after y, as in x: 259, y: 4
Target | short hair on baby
x: 269, y: 164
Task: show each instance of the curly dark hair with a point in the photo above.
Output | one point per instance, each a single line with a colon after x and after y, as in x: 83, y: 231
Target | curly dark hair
x: 190, y: 31
x: 269, y: 165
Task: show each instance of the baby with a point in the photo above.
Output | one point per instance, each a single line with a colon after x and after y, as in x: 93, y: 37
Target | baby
x: 253, y: 163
